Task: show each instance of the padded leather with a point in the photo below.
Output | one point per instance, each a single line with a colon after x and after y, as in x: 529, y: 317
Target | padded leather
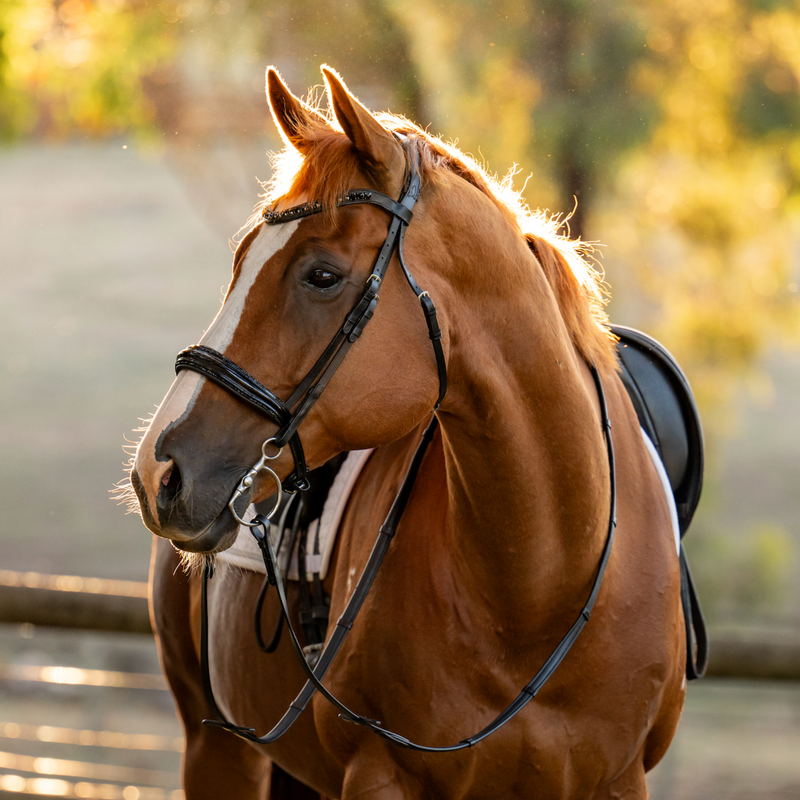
x: 665, y: 406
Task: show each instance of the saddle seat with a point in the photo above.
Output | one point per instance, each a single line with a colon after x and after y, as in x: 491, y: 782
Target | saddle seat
x: 667, y: 412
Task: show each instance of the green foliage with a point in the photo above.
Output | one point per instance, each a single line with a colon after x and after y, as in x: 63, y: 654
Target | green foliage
x: 591, y: 109
x: 549, y: 85
x: 78, y: 65
x: 763, y: 110
x: 706, y: 209
x: 17, y: 109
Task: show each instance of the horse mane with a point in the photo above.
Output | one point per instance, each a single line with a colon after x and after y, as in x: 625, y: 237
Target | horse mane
x: 329, y: 169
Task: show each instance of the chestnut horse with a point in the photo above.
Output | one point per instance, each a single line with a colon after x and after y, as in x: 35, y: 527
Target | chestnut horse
x: 504, y: 532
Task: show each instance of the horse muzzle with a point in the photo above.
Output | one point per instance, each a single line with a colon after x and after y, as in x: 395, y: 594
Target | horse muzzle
x: 198, y: 516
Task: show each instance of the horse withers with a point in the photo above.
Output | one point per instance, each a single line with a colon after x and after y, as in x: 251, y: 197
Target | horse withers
x: 387, y: 278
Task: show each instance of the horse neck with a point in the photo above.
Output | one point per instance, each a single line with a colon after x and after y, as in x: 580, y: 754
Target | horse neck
x: 527, y: 472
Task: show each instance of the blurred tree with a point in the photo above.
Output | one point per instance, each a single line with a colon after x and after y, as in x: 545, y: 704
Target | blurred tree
x: 77, y: 65
x: 100, y: 66
x: 705, y: 212
x: 673, y: 125
x: 547, y: 82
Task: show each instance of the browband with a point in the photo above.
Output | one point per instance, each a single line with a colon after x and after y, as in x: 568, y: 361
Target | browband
x: 355, y: 197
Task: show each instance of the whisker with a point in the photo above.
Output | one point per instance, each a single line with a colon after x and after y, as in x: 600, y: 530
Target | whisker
x: 123, y: 492
x: 193, y: 564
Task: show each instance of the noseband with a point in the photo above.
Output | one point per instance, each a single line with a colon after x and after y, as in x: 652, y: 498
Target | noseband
x: 288, y: 415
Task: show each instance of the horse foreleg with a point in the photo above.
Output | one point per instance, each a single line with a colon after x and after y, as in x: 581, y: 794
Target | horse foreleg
x: 215, y: 763
x: 235, y: 774
x: 284, y: 787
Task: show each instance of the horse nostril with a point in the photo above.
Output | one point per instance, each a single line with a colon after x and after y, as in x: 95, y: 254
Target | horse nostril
x: 171, y: 484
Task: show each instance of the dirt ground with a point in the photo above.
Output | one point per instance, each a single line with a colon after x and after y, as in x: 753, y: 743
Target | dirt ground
x: 113, y: 260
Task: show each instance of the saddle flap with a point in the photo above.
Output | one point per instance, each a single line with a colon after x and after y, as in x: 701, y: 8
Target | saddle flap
x: 666, y: 408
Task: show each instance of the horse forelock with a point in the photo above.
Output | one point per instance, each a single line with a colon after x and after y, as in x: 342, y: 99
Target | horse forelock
x: 330, y: 168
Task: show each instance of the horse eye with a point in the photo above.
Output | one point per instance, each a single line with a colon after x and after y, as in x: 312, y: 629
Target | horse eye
x: 322, y: 279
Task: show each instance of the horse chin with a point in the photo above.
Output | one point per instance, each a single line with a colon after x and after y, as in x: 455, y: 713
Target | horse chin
x: 218, y: 536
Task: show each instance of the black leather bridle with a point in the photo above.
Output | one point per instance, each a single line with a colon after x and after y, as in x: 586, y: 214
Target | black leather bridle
x: 288, y: 415
x: 225, y: 373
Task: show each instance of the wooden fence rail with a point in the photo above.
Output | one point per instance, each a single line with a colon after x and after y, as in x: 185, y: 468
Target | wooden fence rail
x: 66, y: 601
x: 121, y: 606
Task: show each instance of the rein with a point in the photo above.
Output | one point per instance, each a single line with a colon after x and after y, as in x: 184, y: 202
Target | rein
x: 234, y: 379
x: 260, y: 531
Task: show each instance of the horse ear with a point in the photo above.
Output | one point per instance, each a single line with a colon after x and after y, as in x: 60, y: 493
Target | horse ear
x: 293, y: 117
x: 376, y: 146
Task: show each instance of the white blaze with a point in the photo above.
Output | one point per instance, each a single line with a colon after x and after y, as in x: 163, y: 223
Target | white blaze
x: 182, y: 394
x: 270, y: 240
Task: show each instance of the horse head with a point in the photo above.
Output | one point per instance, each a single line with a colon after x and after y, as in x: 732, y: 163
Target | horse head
x: 296, y: 278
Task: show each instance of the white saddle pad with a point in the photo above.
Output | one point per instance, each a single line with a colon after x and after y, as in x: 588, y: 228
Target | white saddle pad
x: 321, y: 534
x: 662, y: 473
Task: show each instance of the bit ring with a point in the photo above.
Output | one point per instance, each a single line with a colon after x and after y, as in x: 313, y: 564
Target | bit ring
x: 248, y: 480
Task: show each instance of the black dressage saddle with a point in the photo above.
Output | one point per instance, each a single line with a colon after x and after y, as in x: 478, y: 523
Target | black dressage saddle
x: 667, y: 412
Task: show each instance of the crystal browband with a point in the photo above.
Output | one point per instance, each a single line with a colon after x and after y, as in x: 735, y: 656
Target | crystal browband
x: 296, y: 212
x: 307, y: 209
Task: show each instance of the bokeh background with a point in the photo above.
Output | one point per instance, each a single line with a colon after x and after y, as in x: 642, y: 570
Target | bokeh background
x: 135, y: 134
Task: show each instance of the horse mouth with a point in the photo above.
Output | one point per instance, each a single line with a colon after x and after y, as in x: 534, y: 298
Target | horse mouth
x: 218, y: 536
x: 180, y: 528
